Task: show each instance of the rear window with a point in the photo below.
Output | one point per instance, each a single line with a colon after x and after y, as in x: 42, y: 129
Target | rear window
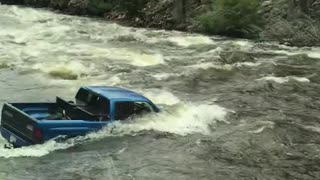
x: 82, y: 96
x: 92, y: 102
x: 97, y: 105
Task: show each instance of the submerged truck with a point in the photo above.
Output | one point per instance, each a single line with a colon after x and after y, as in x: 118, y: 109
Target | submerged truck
x: 95, y: 107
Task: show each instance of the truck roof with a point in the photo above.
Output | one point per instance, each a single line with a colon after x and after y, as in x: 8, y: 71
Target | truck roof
x: 113, y: 93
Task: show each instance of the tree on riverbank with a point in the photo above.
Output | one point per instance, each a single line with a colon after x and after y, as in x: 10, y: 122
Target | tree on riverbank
x: 238, y: 18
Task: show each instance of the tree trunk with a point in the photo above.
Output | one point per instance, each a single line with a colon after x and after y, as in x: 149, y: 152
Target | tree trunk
x: 179, y: 13
x: 291, y: 9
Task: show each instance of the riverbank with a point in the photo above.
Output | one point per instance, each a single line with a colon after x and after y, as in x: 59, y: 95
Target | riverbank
x: 294, y: 22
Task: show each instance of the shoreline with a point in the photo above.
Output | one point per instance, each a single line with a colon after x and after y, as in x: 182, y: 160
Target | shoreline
x: 281, y: 21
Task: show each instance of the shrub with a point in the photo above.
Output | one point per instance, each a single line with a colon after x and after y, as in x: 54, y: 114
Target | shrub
x: 239, y: 18
x: 299, y: 32
x: 132, y: 8
x: 99, y: 7
x: 37, y: 3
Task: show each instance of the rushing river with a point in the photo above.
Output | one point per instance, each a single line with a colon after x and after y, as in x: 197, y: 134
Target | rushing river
x: 232, y: 109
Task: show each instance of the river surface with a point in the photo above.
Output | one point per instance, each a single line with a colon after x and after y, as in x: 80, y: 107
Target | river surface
x: 232, y: 109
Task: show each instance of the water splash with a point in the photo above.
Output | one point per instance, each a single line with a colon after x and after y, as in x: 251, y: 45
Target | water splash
x: 186, y: 41
x: 64, y: 70
x: 159, y: 96
x: 183, y: 119
x: 286, y: 79
x: 34, y: 150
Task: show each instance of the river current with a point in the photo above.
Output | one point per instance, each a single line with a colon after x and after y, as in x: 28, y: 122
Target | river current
x: 231, y: 109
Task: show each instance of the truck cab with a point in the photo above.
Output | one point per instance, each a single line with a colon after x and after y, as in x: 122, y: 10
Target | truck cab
x: 94, y: 107
x: 115, y: 103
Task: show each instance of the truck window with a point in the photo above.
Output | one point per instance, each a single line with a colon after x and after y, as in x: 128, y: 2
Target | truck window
x: 126, y: 109
x: 82, y: 96
x: 142, y: 107
x: 97, y: 105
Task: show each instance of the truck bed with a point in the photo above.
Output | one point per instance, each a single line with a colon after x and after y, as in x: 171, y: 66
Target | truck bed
x: 22, y: 121
x: 38, y: 111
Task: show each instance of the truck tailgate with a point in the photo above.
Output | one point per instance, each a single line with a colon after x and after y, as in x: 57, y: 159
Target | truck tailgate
x: 17, y: 122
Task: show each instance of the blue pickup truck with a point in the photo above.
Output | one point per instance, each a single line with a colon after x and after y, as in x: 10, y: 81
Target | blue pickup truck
x: 95, y: 107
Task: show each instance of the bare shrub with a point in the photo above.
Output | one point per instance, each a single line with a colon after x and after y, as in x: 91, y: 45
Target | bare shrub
x: 300, y: 32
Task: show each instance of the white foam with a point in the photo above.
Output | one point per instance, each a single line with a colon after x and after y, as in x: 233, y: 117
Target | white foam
x: 250, y: 64
x: 34, y: 150
x: 258, y: 130
x: 130, y: 56
x: 243, y: 43
x: 313, y: 128
x: 186, y: 119
x: 285, y: 79
x: 73, y: 66
x: 312, y: 53
x: 265, y: 124
x: 208, y: 65
x: 315, y: 53
x: 161, y: 76
x: 183, y: 120
x: 114, y: 80
x: 165, y: 76
x: 300, y: 79
x: 216, y: 51
x: 144, y: 59
x: 136, y: 58
x: 28, y: 14
x: 190, y: 40
x: 50, y: 35
x: 159, y: 96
